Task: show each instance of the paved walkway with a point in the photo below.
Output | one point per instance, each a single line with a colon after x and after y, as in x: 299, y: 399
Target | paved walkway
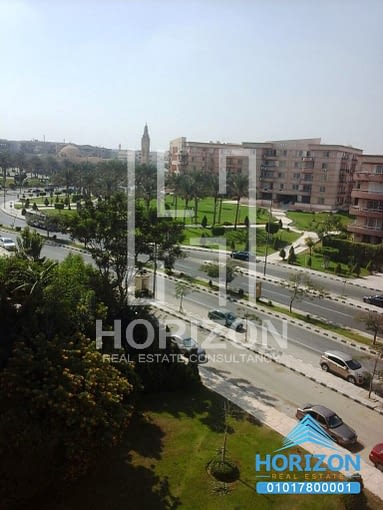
x: 372, y: 477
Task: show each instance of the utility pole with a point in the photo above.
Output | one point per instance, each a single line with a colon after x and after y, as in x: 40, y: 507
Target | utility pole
x: 268, y: 236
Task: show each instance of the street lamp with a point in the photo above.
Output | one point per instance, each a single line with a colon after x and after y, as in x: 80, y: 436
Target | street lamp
x: 268, y: 237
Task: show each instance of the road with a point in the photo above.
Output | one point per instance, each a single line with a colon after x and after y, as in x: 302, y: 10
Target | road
x: 285, y: 390
x: 334, y: 311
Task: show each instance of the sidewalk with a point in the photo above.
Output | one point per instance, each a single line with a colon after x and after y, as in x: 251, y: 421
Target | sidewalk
x: 372, y: 477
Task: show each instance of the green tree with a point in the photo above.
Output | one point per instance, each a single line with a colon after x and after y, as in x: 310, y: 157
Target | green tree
x: 204, y: 222
x: 30, y: 244
x: 310, y: 243
x: 282, y: 253
x: 212, y: 270
x: 373, y: 322
x: 238, y: 188
x: 292, y: 258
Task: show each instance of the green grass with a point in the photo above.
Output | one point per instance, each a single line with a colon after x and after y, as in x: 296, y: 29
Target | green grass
x: 162, y: 463
x: 308, y: 220
x: 58, y: 212
x: 317, y: 265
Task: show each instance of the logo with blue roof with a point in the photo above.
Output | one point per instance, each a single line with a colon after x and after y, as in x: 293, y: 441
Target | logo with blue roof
x: 308, y: 431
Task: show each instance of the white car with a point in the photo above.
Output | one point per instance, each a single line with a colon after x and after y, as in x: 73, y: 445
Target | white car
x: 7, y: 243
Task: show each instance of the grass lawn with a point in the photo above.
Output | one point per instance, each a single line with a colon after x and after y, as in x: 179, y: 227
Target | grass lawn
x: 308, y: 220
x: 317, y: 264
x: 162, y: 463
x: 236, y: 239
x: 59, y: 212
x: 206, y: 208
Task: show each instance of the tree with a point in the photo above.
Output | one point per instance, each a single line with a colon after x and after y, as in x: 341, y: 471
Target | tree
x: 212, y: 270
x: 301, y: 286
x: 182, y: 290
x: 272, y: 227
x: 373, y: 322
x: 30, y: 244
x: 238, y: 188
x: 310, y: 243
x: 282, y: 253
x: 204, y: 222
x: 292, y: 258
x: 331, y: 223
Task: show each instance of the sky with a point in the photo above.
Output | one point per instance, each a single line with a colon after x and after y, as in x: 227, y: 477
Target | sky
x: 240, y: 70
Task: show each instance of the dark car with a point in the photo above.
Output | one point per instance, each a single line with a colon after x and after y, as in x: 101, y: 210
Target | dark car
x: 189, y: 348
x: 374, y: 300
x: 376, y: 456
x: 241, y: 255
x: 226, y: 318
x: 330, y: 422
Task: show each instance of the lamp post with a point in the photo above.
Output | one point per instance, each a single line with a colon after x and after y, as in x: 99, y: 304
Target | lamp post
x: 268, y: 236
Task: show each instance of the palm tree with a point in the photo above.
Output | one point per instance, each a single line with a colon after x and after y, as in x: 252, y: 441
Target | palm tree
x: 182, y: 290
x: 30, y: 244
x: 310, y: 243
x: 187, y: 190
x: 238, y: 188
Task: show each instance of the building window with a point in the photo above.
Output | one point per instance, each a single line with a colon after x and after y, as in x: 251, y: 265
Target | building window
x: 284, y: 153
x: 322, y: 189
x: 296, y: 177
x: 295, y: 187
x: 296, y: 164
x: 307, y: 188
x: 324, y: 166
x: 280, y: 175
x: 282, y: 164
x: 321, y: 201
x: 379, y: 169
x: 281, y: 187
x: 326, y: 154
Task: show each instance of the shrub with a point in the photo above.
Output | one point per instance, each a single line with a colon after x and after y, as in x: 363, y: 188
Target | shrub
x: 309, y: 262
x: 23, y: 211
x: 217, y: 231
x: 282, y: 253
x: 59, y: 205
x: 338, y: 269
x: 224, y: 471
x: 204, y: 222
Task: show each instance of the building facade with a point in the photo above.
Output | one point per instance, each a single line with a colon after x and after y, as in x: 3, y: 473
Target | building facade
x: 367, y: 201
x: 298, y: 174
x: 186, y: 156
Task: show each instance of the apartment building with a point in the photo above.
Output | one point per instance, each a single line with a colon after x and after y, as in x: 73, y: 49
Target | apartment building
x: 186, y: 156
x: 367, y: 201
x: 305, y: 174
x: 299, y: 174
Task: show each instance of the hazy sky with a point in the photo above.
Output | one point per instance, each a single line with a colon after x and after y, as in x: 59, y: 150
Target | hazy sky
x: 239, y: 70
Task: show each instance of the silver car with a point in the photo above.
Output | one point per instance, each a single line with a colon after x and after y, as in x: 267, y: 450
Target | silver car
x: 7, y: 243
x: 342, y: 364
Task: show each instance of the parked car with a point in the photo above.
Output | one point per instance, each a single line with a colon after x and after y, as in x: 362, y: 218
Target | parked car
x: 343, y: 365
x: 241, y: 255
x: 374, y: 300
x: 226, y: 318
x: 376, y: 456
x: 7, y: 243
x: 189, y: 348
x: 330, y: 422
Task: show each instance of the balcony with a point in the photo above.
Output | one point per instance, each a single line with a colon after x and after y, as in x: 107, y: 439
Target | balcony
x: 368, y: 177
x: 365, y: 212
x: 308, y: 158
x: 270, y: 155
x: 364, y: 229
x: 368, y: 195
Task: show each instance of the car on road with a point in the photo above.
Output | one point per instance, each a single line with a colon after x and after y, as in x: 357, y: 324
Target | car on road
x: 226, y: 318
x: 189, y: 348
x: 242, y: 255
x: 7, y: 243
x: 330, y: 422
x: 342, y: 364
x: 376, y: 300
x: 376, y: 456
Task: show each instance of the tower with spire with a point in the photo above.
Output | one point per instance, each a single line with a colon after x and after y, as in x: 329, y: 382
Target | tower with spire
x: 145, y: 147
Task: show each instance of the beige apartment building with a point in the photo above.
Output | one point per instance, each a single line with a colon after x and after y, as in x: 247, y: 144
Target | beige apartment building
x: 186, y: 156
x: 367, y: 201
x: 298, y: 174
